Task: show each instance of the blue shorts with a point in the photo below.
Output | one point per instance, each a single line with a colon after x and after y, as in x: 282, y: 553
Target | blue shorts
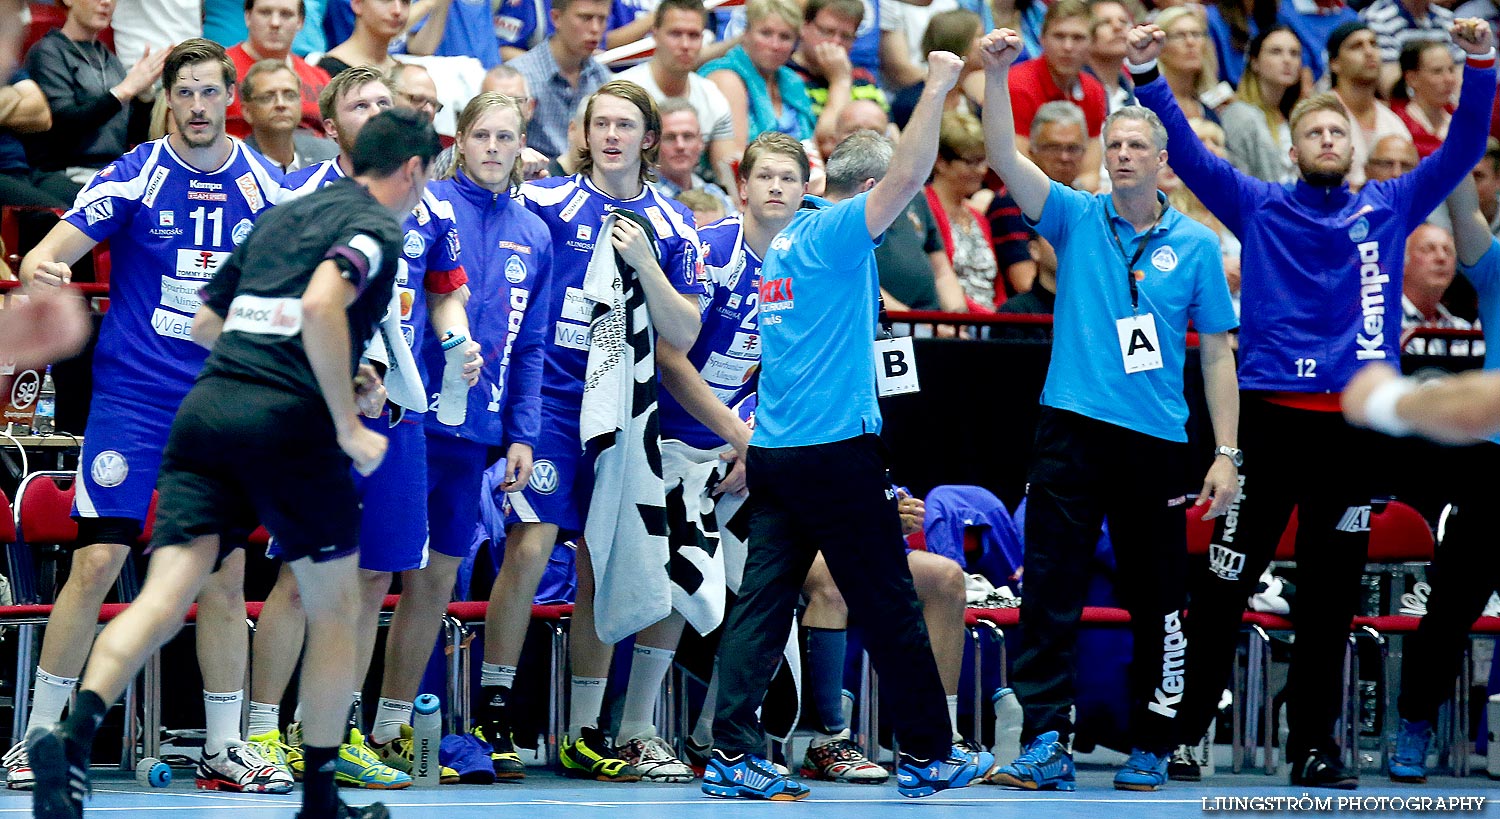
x: 122, y: 447
x: 455, y: 472
x: 562, y: 477
x: 393, y: 518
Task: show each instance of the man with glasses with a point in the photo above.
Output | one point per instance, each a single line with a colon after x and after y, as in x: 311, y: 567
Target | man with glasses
x: 272, y: 25
x: 1059, y: 141
x: 829, y: 29
x: 272, y: 98
x: 1058, y: 75
x: 412, y: 88
x: 1392, y: 156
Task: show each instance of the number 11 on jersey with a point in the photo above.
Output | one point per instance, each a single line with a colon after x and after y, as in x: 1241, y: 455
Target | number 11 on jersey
x: 200, y: 218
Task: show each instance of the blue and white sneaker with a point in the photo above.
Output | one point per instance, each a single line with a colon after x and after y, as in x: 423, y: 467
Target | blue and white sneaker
x: 748, y: 776
x: 1144, y: 771
x: 1409, y: 762
x: 916, y: 778
x: 1044, y: 765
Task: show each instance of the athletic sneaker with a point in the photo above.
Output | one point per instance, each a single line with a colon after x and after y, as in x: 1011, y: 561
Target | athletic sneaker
x: 1144, y: 771
x: 748, y: 776
x: 268, y: 746
x: 588, y: 757
x: 239, y: 768
x: 1044, y: 765
x: 654, y: 761
x: 18, y: 768
x: 375, y: 811
x: 400, y: 754
x: 1409, y: 762
x: 918, y: 777
x: 293, y: 749
x: 1321, y: 769
x: 840, y: 760
x: 359, y: 767
x: 503, y: 756
x: 1184, y: 766
x: 61, y: 768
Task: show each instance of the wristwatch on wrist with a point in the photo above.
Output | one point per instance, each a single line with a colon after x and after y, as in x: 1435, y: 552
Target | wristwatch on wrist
x: 1235, y: 456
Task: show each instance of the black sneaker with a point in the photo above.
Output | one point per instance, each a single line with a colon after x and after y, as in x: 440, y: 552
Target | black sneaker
x: 61, y: 766
x: 1321, y: 769
x: 1184, y: 767
x: 343, y: 811
x: 494, y: 728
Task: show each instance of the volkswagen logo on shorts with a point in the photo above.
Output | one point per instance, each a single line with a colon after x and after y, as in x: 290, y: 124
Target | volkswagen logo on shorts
x: 109, y: 468
x: 544, y: 477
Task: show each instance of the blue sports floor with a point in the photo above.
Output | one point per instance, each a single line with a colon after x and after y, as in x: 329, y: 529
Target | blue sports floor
x: 546, y: 796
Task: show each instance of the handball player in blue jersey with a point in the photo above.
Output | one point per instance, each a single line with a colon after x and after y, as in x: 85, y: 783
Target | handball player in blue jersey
x: 622, y: 132
x: 1322, y: 281
x: 171, y: 210
x: 507, y: 255
x: 393, y: 525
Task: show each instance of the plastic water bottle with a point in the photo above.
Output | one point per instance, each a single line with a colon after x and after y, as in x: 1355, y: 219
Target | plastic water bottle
x: 45, y: 419
x: 1007, y: 726
x: 453, y: 401
x: 427, y: 734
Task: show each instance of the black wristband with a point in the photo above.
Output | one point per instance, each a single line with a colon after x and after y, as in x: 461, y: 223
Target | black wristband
x: 1145, y: 76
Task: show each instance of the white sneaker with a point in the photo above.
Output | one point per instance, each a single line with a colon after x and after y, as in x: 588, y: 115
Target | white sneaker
x: 240, y: 768
x: 17, y: 763
x: 654, y: 759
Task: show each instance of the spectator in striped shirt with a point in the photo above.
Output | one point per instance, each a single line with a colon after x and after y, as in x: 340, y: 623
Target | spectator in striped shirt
x: 1398, y: 22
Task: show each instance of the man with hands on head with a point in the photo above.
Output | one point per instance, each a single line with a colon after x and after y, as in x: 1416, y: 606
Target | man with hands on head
x: 818, y: 474
x: 1321, y: 283
x: 1111, y: 441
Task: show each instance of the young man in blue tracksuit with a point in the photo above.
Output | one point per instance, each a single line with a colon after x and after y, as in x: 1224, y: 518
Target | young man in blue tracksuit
x: 507, y: 254
x: 1322, y: 278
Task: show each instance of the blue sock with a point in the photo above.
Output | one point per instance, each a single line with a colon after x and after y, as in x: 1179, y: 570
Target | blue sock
x: 826, y: 648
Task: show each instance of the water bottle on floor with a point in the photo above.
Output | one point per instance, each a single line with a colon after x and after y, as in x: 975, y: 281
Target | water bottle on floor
x: 427, y: 733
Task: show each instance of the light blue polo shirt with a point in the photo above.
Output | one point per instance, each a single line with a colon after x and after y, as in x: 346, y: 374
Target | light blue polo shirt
x: 818, y: 295
x: 1184, y: 282
x: 1485, y: 276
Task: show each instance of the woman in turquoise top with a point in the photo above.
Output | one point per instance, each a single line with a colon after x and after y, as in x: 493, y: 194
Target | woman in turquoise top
x: 763, y: 93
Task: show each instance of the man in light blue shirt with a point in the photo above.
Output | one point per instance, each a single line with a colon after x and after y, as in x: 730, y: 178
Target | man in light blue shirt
x: 1132, y: 273
x: 818, y: 476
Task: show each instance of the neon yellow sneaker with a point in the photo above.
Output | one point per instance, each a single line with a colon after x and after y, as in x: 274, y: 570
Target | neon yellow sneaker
x: 400, y: 754
x: 275, y: 752
x: 294, y: 749
x: 590, y: 757
x: 503, y: 755
x: 357, y: 766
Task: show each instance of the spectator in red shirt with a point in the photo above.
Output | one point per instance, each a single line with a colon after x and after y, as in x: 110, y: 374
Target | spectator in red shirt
x: 272, y: 25
x: 1423, y: 97
x: 1058, y: 75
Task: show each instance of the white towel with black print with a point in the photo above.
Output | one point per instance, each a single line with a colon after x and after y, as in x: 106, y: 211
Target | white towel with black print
x: 704, y: 550
x: 626, y: 529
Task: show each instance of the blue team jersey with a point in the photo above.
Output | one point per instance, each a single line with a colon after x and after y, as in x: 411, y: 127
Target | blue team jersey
x: 169, y: 227
x: 727, y: 352
x: 1485, y: 275
x: 573, y: 210
x: 507, y: 254
x: 522, y: 23
x: 818, y: 295
x: 430, y: 244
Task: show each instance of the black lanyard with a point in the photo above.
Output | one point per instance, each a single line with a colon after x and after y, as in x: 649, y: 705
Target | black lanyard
x: 1135, y: 292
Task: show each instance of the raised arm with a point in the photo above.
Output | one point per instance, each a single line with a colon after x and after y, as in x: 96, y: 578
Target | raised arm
x: 1471, y: 232
x: 1458, y: 409
x: 1214, y: 180
x: 1436, y: 176
x: 1023, y: 179
x: 916, y: 153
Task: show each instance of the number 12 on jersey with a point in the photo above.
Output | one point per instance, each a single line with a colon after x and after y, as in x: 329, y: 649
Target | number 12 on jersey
x: 1307, y: 367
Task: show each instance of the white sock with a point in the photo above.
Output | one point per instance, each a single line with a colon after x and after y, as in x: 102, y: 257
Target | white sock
x: 648, y: 667
x: 265, y: 717
x: 389, y: 719
x: 703, y: 731
x: 953, y: 716
x: 48, y: 699
x: 588, y: 701
x: 493, y: 674
x: 223, y: 712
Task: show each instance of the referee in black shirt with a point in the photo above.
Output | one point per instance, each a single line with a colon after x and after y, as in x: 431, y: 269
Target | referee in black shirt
x: 267, y: 435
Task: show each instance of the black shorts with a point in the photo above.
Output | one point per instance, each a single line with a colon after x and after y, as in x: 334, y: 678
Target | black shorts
x: 241, y: 454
